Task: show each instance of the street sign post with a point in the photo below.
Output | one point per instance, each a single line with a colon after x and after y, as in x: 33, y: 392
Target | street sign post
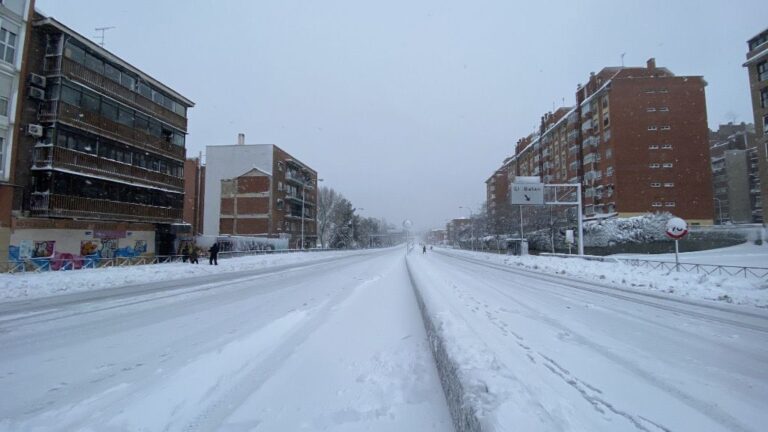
x: 676, y: 229
x: 527, y: 193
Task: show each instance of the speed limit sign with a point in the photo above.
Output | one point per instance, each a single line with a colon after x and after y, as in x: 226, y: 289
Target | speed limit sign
x: 677, y: 228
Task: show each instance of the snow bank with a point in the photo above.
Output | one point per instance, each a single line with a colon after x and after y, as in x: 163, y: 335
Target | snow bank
x: 730, y: 289
x: 24, y: 286
x: 461, y: 392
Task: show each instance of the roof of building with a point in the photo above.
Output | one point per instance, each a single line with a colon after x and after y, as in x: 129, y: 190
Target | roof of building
x: 48, y: 21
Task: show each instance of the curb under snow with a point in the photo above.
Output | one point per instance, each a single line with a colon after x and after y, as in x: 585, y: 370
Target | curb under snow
x: 463, y: 412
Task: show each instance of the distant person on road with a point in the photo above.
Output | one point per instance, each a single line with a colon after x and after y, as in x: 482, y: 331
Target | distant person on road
x: 213, y: 254
x: 424, y: 250
x: 193, y: 255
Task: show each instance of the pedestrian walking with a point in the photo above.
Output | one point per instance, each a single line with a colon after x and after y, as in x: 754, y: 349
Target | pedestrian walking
x: 193, y: 255
x: 184, y: 253
x: 424, y: 250
x: 213, y: 254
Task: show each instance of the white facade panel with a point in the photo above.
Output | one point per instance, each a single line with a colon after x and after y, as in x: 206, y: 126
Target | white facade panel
x: 226, y: 162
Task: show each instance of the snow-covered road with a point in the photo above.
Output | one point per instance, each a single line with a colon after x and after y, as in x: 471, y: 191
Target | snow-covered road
x: 540, y: 352
x: 336, y: 342
x: 338, y: 345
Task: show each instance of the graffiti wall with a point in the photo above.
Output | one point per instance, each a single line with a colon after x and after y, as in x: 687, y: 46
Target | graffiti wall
x: 71, y: 248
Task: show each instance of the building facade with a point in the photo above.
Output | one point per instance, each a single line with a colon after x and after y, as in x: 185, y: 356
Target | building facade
x: 100, y: 161
x: 194, y: 195
x: 260, y: 190
x: 735, y: 174
x: 636, y: 140
x: 14, y: 29
x: 757, y: 67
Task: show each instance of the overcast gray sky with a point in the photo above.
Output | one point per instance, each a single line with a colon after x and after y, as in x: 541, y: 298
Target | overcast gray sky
x: 406, y: 107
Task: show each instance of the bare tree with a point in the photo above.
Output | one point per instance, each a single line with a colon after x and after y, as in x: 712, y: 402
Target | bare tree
x: 326, y: 201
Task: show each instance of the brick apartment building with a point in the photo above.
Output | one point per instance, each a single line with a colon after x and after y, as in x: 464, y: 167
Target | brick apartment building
x: 735, y: 174
x: 14, y: 30
x: 259, y: 190
x: 194, y: 196
x: 99, y: 165
x: 636, y: 140
x: 456, y: 229
x: 757, y: 66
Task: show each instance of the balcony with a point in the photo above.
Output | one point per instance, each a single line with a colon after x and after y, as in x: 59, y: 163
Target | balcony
x: 297, y: 199
x: 52, y: 157
x: 74, y: 116
x: 296, y: 178
x: 53, y: 205
x: 79, y: 73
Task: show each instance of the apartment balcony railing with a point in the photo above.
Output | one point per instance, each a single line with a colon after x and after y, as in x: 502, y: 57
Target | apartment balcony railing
x: 297, y: 199
x: 77, y: 72
x: 572, y: 150
x: 45, y: 204
x: 592, y: 141
x: 297, y: 179
x: 591, y: 157
x: 74, y: 116
x: 51, y: 157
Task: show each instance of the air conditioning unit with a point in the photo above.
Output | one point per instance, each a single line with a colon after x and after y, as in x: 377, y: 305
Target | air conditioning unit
x: 37, y: 80
x: 35, y: 130
x: 36, y: 93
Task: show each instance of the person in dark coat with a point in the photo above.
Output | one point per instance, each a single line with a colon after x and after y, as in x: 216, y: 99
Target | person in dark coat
x: 424, y: 250
x: 213, y: 254
x: 184, y: 254
x: 193, y: 255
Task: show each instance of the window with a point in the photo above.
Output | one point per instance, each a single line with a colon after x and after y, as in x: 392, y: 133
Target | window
x: 280, y: 204
x: 178, y: 139
x: 650, y: 109
x: 669, y: 204
x: 655, y: 185
x: 70, y: 95
x: 650, y: 91
x: 608, y: 153
x: 762, y: 69
x: 280, y: 186
x: 664, y: 109
x: 666, y: 128
x: 145, y: 91
x: 656, y: 204
x: 663, y: 91
x: 606, y: 122
x: 8, y: 46
x: 667, y: 147
x: 654, y: 165
x: 609, y: 171
x: 3, y: 106
x: 667, y: 165
x: 94, y: 63
x: 652, y: 128
x: 89, y: 102
x: 127, y: 81
x: 2, y: 152
x: 74, y: 53
x: 125, y: 117
x: 653, y: 147
x: 765, y: 125
x: 669, y: 185
x: 109, y: 110
x: 764, y: 98
x: 111, y: 72
x: 280, y: 166
x: 141, y: 122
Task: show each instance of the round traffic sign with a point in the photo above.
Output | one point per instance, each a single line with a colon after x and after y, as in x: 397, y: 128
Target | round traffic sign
x: 677, y: 228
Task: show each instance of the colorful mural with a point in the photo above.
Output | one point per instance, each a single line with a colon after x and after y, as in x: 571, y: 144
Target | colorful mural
x: 42, y: 254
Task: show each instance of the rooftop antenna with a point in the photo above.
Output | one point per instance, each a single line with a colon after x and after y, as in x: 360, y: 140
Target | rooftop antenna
x: 622, y: 58
x: 101, y: 31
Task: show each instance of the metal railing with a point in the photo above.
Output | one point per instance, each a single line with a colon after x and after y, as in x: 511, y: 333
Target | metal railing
x: 42, y: 265
x: 707, y: 269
